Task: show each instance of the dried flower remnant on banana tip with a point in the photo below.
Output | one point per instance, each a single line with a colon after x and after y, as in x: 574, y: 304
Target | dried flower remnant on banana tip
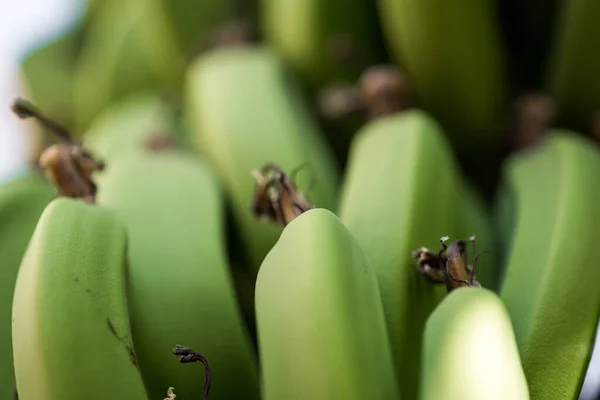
x: 449, y: 265
x: 66, y: 164
x: 276, y: 198
x: 382, y: 90
x: 186, y: 356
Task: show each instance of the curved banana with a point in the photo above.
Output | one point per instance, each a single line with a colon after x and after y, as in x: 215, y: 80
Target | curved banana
x: 179, y: 287
x: 572, y: 80
x: 244, y: 109
x: 469, y: 350
x: 70, y: 327
x: 320, y: 322
x: 325, y: 41
x: 454, y: 56
x: 550, y: 285
x: 22, y: 200
x: 402, y: 190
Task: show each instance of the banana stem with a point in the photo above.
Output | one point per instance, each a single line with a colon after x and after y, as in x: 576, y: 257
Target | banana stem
x: 67, y: 165
x: 187, y: 355
x: 382, y: 90
x: 534, y: 115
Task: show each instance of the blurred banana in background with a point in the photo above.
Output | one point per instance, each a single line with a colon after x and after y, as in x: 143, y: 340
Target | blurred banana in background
x: 250, y: 180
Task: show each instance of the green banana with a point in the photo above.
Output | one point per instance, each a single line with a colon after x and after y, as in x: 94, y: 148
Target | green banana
x: 550, y: 285
x: 193, y: 21
x: 126, y: 127
x: 469, y: 350
x: 22, y: 200
x: 403, y: 190
x: 180, y: 290
x: 70, y: 324
x: 129, y: 47
x: 320, y: 322
x: 572, y: 78
x: 325, y: 41
x: 454, y: 56
x: 244, y: 109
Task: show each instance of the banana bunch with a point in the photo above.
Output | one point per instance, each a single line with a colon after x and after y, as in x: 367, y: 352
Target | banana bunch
x: 307, y: 199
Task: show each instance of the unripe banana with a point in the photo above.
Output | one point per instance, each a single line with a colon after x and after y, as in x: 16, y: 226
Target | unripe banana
x: 22, y: 200
x: 129, y: 47
x: 192, y: 21
x: 469, y: 350
x: 180, y: 290
x: 320, y: 322
x: 572, y: 78
x: 403, y: 190
x: 70, y: 327
x: 453, y: 54
x: 325, y: 41
x: 550, y: 287
x: 244, y: 109
x: 128, y: 126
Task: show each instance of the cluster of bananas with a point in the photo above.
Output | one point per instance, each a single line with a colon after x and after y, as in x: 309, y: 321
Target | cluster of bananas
x: 272, y: 204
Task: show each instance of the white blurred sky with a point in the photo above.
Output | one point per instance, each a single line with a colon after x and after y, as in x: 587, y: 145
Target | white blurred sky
x: 27, y: 23
x: 23, y: 24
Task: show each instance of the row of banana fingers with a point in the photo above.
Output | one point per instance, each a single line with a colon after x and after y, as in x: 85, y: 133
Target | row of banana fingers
x: 322, y: 300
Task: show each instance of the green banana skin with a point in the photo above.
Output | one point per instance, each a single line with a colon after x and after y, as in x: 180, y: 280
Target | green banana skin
x: 180, y: 290
x: 70, y: 327
x: 403, y: 190
x: 244, y: 108
x: 305, y: 33
x: 470, y: 351
x: 129, y: 47
x: 192, y: 21
x: 125, y: 127
x: 320, y: 322
x: 572, y: 78
x: 549, y: 287
x: 453, y: 54
x: 22, y: 200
